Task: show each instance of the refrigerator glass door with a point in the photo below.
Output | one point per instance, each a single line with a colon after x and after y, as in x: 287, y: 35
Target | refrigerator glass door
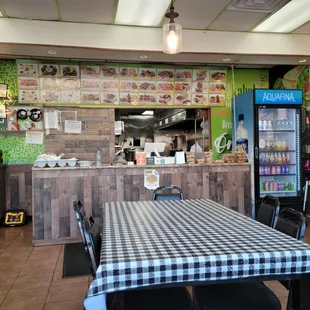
x: 279, y: 152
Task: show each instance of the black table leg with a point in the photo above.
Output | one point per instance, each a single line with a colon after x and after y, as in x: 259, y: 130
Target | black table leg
x: 299, y: 294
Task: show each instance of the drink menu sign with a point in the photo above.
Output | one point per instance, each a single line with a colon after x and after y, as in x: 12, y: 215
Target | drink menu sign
x: 123, y: 85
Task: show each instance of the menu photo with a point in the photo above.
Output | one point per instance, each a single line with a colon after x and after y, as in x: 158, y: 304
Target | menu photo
x: 90, y: 84
x: 70, y: 70
x: 27, y: 69
x: 67, y: 96
x: 50, y: 96
x: 147, y: 98
x: 110, y: 98
x: 183, y: 74
x: 90, y: 72
x: 108, y: 71
x: 47, y: 83
x: 128, y: 98
x: 218, y: 100
x: 202, y: 75
x: 90, y: 97
x: 28, y: 83
x: 28, y: 96
x: 49, y: 70
x: 110, y: 85
x: 147, y: 74
x: 129, y: 73
x: 182, y: 98
x: 165, y: 98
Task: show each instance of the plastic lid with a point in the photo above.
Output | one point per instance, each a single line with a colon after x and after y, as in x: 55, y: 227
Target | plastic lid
x: 241, y: 117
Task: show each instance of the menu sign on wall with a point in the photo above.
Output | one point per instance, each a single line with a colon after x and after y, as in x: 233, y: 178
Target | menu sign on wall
x: 120, y: 84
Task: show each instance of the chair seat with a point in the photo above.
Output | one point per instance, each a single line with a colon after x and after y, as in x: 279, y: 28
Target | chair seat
x: 155, y: 299
x: 236, y: 296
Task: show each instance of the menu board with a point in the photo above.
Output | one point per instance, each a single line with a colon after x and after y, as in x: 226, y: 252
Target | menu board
x: 111, y: 84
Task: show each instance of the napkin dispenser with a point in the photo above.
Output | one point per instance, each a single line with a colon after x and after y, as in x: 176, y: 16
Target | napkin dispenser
x: 180, y: 157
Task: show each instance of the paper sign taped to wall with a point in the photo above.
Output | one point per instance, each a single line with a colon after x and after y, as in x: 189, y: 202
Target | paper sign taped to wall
x: 51, y: 120
x: 34, y: 137
x: 151, y: 179
x: 72, y: 126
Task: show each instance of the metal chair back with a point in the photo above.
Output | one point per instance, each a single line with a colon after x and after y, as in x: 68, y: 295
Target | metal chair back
x: 79, y: 214
x: 269, y: 211
x: 292, y: 223
x: 93, y: 242
x: 166, y: 193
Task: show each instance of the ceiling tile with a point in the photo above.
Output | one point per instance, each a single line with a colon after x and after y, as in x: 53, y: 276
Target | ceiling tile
x: 304, y: 29
x: 92, y: 11
x: 237, y: 21
x: 198, y: 14
x: 31, y: 9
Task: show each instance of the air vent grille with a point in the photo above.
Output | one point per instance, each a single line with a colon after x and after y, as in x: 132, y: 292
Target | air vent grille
x: 265, y: 6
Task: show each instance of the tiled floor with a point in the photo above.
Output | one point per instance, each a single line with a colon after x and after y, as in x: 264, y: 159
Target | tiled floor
x: 31, y: 278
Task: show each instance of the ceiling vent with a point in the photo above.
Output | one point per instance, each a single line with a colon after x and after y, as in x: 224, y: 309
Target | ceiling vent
x: 264, y: 6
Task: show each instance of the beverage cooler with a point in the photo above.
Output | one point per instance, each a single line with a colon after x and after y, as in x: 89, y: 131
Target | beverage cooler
x: 266, y: 124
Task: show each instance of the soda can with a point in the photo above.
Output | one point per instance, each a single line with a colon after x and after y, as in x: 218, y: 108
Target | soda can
x: 261, y: 186
x: 271, y: 186
x: 275, y: 186
x: 266, y: 186
x: 286, y: 186
x: 283, y: 170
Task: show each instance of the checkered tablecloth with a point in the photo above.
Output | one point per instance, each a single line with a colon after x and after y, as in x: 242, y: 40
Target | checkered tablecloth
x: 163, y: 242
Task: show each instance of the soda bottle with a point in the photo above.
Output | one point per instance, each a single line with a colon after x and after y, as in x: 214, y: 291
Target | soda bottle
x: 260, y: 125
x: 274, y: 170
x: 261, y: 186
x: 279, y: 158
x: 275, y: 186
x: 283, y: 170
x: 269, y: 125
x: 278, y: 170
x: 264, y: 124
x: 288, y: 158
x: 284, y: 158
x: 267, y: 159
x: 286, y: 186
x: 287, y: 170
x: 272, y: 159
x: 268, y: 171
x: 266, y: 186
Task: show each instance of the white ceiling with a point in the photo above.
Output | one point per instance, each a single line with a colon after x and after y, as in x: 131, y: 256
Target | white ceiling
x: 222, y: 15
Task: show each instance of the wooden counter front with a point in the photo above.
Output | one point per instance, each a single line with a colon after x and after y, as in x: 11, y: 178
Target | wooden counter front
x: 55, y: 189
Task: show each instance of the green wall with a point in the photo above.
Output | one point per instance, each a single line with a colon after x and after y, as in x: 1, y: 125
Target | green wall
x: 17, y: 151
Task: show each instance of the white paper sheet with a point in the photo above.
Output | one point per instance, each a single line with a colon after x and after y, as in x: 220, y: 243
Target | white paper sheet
x: 34, y: 137
x: 151, y: 179
x: 51, y: 120
x: 73, y: 126
x: 2, y: 111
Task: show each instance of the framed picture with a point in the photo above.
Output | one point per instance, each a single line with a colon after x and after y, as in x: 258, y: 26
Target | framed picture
x: 3, y: 90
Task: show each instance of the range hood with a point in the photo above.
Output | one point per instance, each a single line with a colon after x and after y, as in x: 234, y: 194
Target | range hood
x: 178, y: 120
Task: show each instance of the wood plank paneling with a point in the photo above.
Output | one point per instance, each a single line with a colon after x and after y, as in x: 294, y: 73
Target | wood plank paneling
x: 19, y: 187
x: 228, y: 185
x: 97, y: 134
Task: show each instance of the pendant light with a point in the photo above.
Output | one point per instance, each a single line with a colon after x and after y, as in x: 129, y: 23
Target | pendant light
x: 172, y: 34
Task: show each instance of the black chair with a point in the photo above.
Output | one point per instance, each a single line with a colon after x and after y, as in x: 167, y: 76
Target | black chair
x: 236, y: 296
x: 246, y: 295
x: 292, y: 223
x: 268, y: 211
x: 80, y: 214
x: 166, y: 193
x: 152, y: 299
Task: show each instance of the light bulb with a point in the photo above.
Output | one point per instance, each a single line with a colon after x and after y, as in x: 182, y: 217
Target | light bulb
x: 172, y: 40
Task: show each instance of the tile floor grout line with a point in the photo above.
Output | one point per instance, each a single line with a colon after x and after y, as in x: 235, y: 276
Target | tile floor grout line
x: 19, y: 271
x: 45, y: 302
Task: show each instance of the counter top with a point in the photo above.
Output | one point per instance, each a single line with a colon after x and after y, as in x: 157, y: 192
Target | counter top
x: 139, y: 166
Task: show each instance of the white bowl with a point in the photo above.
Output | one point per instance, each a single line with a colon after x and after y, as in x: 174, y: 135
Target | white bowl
x: 71, y: 162
x: 85, y: 163
x: 41, y: 163
x: 61, y: 162
x: 51, y: 163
